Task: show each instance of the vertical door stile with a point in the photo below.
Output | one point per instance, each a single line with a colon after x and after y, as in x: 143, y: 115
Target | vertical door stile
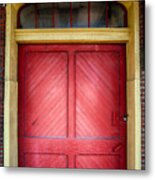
x: 71, y: 108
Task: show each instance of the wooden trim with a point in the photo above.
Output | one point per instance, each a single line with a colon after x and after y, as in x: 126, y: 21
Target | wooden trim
x: 10, y: 96
x: 85, y: 35
x: 10, y: 124
x: 133, y: 90
x: 129, y: 35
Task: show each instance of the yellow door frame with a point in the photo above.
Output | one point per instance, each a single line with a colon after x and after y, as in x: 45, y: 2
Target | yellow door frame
x: 129, y: 36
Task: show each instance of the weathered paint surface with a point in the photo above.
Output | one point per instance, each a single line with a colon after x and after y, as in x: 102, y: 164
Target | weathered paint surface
x: 71, y: 106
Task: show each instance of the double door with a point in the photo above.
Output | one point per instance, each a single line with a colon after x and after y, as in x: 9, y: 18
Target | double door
x: 71, y: 106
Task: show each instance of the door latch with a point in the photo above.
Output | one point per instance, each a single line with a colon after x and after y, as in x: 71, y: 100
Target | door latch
x: 125, y: 117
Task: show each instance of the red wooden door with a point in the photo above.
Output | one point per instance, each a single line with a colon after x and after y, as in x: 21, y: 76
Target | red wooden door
x: 71, y: 106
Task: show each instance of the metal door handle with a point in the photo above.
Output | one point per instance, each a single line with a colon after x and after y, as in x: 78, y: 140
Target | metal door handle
x: 125, y: 117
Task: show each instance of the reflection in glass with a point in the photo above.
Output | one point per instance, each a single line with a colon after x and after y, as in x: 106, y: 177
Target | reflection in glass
x: 62, y: 15
x: 98, y: 14
x: 27, y: 17
x: 116, y: 15
x: 44, y: 15
x: 80, y: 14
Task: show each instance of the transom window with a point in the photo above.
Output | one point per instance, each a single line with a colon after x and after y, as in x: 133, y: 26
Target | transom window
x: 72, y: 15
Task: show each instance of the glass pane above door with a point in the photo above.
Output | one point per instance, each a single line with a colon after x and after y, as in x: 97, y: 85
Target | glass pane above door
x: 72, y: 15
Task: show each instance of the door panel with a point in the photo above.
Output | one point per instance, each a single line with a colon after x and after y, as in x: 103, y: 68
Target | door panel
x: 98, y: 161
x: 97, y: 94
x: 46, y: 112
x: 45, y: 160
x: 71, y: 106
